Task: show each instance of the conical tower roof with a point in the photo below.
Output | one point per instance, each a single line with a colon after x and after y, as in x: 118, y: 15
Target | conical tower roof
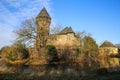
x: 107, y: 44
x: 44, y: 13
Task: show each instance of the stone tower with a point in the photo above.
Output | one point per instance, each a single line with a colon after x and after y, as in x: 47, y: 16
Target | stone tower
x: 43, y: 21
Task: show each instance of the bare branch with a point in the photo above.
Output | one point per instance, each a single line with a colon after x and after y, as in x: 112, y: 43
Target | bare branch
x: 27, y: 31
x: 55, y: 28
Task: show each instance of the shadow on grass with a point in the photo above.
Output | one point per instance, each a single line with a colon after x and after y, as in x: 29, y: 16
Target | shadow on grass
x: 44, y: 72
x: 56, y: 72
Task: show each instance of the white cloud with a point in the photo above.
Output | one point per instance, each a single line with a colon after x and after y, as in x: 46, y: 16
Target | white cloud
x: 6, y: 35
x: 12, y: 12
x: 28, y: 8
x: 7, y: 17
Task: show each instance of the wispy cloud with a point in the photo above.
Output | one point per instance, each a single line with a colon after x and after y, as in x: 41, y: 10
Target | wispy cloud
x: 13, y: 12
x: 6, y: 35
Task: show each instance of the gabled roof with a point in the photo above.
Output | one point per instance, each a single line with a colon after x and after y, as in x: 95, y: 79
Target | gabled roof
x: 43, y: 13
x: 66, y: 30
x: 107, y: 44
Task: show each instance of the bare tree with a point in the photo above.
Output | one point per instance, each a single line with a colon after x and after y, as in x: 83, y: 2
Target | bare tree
x: 55, y: 28
x: 27, y: 31
x: 82, y: 34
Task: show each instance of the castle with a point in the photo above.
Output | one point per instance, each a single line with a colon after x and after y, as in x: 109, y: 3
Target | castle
x: 108, y: 49
x: 64, y: 39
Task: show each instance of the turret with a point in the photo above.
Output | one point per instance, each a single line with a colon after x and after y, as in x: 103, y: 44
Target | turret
x: 43, y: 21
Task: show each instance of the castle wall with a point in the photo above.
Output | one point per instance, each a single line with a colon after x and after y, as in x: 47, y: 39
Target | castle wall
x: 108, y: 50
x: 66, y: 45
x: 63, y: 40
x: 107, y: 61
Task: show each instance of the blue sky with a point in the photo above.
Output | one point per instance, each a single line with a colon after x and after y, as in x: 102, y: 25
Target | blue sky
x: 99, y: 17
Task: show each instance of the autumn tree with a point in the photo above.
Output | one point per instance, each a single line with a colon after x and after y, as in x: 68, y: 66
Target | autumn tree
x: 80, y: 35
x: 90, y: 50
x: 90, y: 47
x: 17, y: 51
x: 87, y: 51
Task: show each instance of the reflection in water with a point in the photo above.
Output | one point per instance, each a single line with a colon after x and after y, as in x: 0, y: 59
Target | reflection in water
x: 52, y: 69
x: 73, y: 69
x: 61, y: 69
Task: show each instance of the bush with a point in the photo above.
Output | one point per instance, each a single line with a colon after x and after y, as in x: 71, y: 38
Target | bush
x: 15, y: 52
x: 52, y: 53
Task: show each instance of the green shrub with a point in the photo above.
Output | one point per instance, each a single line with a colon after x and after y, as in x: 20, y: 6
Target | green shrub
x: 52, y: 53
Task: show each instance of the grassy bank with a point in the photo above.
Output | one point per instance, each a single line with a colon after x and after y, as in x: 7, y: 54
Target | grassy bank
x: 18, y: 76
x: 56, y: 72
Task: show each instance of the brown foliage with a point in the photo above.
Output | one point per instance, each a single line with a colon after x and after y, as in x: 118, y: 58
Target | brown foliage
x: 14, y: 52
